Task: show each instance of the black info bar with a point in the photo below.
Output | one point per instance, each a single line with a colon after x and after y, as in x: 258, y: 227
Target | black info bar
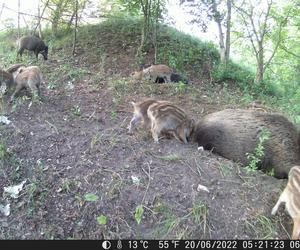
x: 151, y: 244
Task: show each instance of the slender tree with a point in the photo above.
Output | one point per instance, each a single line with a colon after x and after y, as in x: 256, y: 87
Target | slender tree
x: 259, y: 23
x: 18, y: 19
x: 204, y: 11
x: 75, y: 28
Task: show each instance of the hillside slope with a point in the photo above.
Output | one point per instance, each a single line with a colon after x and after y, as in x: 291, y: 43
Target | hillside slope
x: 79, y: 162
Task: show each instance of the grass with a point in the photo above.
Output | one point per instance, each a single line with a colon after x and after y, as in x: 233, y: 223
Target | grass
x: 171, y: 225
x: 76, y: 110
x: 4, y: 154
x: 8, y: 158
x: 225, y: 169
x: 200, y: 215
x: 170, y: 157
x: 262, y: 227
x: 36, y: 193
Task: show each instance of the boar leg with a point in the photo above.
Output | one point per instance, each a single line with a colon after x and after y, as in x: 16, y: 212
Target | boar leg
x: 18, y: 88
x: 20, y: 52
x: 35, y: 91
x: 296, y: 229
x: 135, y: 119
x: 36, y: 52
x: 280, y: 200
x: 168, y: 78
x: 155, y: 132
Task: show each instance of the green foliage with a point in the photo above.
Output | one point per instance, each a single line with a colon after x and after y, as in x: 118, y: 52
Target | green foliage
x: 91, y: 197
x: 182, y: 51
x: 139, y: 213
x: 262, y: 227
x: 4, y: 154
x: 102, y: 220
x: 76, y: 110
x: 200, y: 212
x: 255, y: 157
x: 51, y: 86
x: 242, y: 76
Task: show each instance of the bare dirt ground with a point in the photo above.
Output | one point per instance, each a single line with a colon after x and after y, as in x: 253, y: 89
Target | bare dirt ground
x: 75, y: 142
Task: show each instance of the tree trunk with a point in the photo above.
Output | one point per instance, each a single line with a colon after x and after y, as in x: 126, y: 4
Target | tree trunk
x: 39, y: 20
x: 155, y: 28
x: 40, y: 16
x: 260, y: 64
x: 228, y: 30
x: 218, y: 20
x: 56, y: 16
x: 221, y: 42
x: 18, y: 19
x: 145, y: 28
x: 75, y: 28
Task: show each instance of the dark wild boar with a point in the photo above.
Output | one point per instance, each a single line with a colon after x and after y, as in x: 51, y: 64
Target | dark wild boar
x: 232, y: 133
x: 175, y: 77
x: 33, y: 43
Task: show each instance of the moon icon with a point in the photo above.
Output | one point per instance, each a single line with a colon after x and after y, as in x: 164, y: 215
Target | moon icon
x: 106, y: 244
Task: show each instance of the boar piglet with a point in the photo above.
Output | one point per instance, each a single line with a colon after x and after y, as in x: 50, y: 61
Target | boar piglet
x: 291, y: 197
x: 153, y: 72
x: 140, y: 113
x: 28, y: 77
x: 168, y: 119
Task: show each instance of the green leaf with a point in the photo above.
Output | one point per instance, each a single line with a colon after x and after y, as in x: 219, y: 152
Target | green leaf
x: 102, y: 219
x: 139, y: 213
x: 91, y: 197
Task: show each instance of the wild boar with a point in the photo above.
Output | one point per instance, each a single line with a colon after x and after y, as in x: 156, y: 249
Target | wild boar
x: 153, y: 72
x: 235, y: 133
x: 175, y: 77
x: 291, y: 197
x: 28, y: 77
x: 168, y: 119
x: 140, y: 113
x: 33, y: 43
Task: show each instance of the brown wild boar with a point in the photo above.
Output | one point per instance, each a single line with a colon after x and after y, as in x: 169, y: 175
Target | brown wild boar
x: 140, y: 113
x: 175, y: 77
x: 28, y: 77
x: 168, y: 119
x: 33, y: 43
x: 234, y: 133
x: 153, y: 72
x: 291, y: 197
